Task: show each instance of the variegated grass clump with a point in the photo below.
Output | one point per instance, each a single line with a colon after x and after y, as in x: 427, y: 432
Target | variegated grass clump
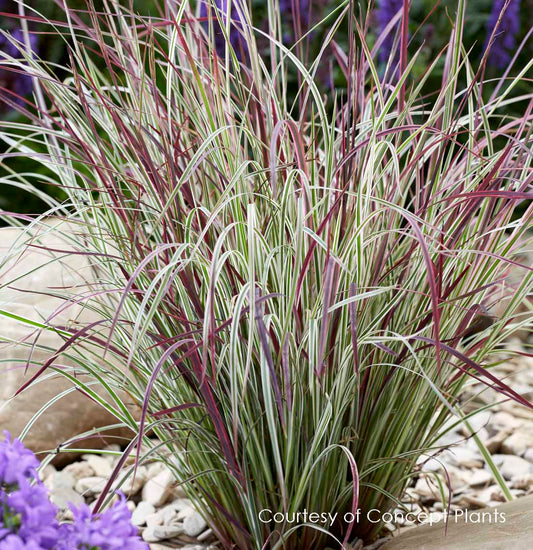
x: 291, y: 286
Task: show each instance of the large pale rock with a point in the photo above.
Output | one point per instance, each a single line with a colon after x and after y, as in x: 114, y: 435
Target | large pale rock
x: 509, y: 525
x: 32, y: 274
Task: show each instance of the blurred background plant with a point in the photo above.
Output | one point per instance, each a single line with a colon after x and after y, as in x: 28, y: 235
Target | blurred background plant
x: 429, y: 26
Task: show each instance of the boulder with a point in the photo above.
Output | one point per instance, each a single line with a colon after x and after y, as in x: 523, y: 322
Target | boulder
x: 33, y: 271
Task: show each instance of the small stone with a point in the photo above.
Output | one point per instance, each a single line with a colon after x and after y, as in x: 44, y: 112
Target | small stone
x: 512, y: 466
x: 529, y: 455
x: 59, y: 480
x: 143, y: 510
x: 465, y: 457
x: 101, y: 466
x: 180, y: 504
x: 154, y: 519
x: 194, y: 524
x: 113, y: 447
x: 63, y: 497
x: 79, y: 469
x: 491, y: 494
x: 186, y: 512
x: 156, y: 533
x: 477, y: 421
x: 207, y: 534
x: 47, y: 471
x: 479, y: 478
x: 132, y: 485
x: 90, y: 486
x: 428, y: 464
x: 153, y: 469
x: 470, y: 501
x: 522, y: 482
x: 494, y: 443
x: 158, y: 489
x: 506, y: 420
x: 518, y: 443
x: 170, y: 515
x: 426, y: 488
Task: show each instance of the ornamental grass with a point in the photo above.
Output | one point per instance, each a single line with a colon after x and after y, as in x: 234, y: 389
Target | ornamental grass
x: 298, y: 282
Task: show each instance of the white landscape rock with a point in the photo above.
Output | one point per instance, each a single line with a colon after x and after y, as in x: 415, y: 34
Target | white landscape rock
x: 38, y: 271
x: 141, y: 512
x: 90, y: 486
x: 63, y: 497
x: 512, y: 466
x: 518, y: 443
x: 101, y: 466
x: 156, y: 533
x: 194, y: 524
x: 158, y: 489
x: 465, y: 456
x: 479, y: 478
x: 59, y: 480
x: 79, y: 469
x: 132, y: 484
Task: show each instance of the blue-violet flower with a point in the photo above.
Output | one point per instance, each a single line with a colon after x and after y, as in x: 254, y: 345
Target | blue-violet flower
x: 505, y: 35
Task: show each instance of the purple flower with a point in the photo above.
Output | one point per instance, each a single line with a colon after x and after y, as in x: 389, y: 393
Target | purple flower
x: 110, y: 530
x: 386, y: 12
x: 27, y: 517
x: 236, y: 39
x: 297, y: 8
x: 505, y: 35
x: 11, y: 78
x: 17, y: 464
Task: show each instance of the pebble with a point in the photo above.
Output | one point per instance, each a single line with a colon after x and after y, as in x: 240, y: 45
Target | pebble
x: 59, y: 480
x: 208, y: 533
x: 90, y: 486
x: 506, y: 420
x: 132, y: 485
x: 512, y: 466
x: 158, y: 489
x: 48, y: 470
x: 100, y: 465
x: 522, y: 482
x: 466, y: 457
x: 142, y: 511
x: 479, y: 477
x: 518, y: 443
x: 156, y: 533
x: 494, y: 443
x: 79, y: 470
x: 426, y: 488
x: 63, y: 497
x: 194, y: 524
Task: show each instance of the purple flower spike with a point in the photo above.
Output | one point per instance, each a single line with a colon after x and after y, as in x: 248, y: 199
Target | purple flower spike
x: 386, y: 12
x: 505, y: 35
x: 27, y: 517
x: 236, y: 39
x: 17, y: 82
x: 297, y: 8
x: 110, y: 530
